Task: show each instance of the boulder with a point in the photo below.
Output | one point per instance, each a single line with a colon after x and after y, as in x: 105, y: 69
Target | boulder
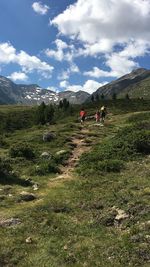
x: 9, y: 222
x: 25, y: 196
x: 47, y: 137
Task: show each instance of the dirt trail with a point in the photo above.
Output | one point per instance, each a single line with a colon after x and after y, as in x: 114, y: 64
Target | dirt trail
x: 79, y: 147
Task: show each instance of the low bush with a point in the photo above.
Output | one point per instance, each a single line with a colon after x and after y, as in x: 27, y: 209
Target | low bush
x: 62, y: 158
x: 143, y: 116
x: 22, y: 150
x: 128, y: 144
x: 45, y: 168
x: 111, y: 165
x: 2, y: 141
x: 5, y: 168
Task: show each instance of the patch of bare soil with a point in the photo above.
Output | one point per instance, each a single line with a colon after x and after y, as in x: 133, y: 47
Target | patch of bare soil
x: 80, y: 147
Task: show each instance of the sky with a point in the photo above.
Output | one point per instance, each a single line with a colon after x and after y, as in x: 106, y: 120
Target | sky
x: 73, y: 44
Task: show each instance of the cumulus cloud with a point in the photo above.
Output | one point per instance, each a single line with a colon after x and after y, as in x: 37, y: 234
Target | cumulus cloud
x: 28, y: 63
x: 63, y: 51
x: 120, y: 65
x: 121, y: 62
x: 7, y: 53
x: 18, y: 76
x: 97, y: 73
x: 89, y: 86
x: 65, y: 74
x: 103, y: 27
x: 105, y: 21
x: 39, y: 8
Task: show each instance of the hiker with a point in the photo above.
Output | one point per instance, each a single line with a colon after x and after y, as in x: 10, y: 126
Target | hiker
x: 97, y: 116
x: 82, y: 115
x: 103, y: 113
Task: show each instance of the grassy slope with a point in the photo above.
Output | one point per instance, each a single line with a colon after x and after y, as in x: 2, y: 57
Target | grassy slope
x: 140, y: 89
x: 68, y: 222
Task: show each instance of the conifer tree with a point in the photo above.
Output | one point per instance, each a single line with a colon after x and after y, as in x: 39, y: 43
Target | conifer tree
x: 92, y: 98
x: 102, y: 96
x: 97, y: 97
x: 114, y: 96
x: 49, y: 113
x: 40, y: 114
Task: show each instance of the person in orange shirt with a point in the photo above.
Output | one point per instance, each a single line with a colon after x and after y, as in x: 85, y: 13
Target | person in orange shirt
x: 82, y: 115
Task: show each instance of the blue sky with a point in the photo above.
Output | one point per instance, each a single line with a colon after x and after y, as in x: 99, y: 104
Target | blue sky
x: 73, y: 44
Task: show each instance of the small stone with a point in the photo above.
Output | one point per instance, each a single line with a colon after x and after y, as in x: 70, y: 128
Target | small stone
x: 121, y: 215
x: 65, y: 247
x: 61, y: 152
x: 29, y: 240
x: 35, y: 187
x: 45, y: 155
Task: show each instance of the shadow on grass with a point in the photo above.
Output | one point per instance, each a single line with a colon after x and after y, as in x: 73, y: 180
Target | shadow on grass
x: 13, y: 180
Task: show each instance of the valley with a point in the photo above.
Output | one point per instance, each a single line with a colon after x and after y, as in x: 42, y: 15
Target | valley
x: 81, y: 198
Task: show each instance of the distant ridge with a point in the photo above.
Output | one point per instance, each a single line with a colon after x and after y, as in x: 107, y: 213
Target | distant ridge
x: 136, y: 84
x: 11, y: 93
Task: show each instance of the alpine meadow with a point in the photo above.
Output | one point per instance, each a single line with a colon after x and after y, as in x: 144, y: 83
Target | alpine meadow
x: 74, y: 133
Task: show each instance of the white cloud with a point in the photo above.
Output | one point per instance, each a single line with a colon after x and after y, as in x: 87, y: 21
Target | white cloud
x: 121, y: 62
x: 30, y: 63
x: 97, y: 73
x: 120, y: 65
x: 18, y: 76
x: 63, y: 51
x: 39, y: 8
x: 8, y: 54
x: 64, y: 75
x: 103, y: 27
x: 74, y: 68
x: 112, y: 20
x: 64, y: 84
x: 52, y: 88
x: 89, y: 86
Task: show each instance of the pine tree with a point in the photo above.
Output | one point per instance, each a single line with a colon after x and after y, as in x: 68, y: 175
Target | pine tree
x: 114, y: 96
x: 92, y: 98
x: 102, y: 96
x: 97, y: 97
x: 60, y: 104
x: 49, y: 113
x: 40, y: 114
x: 65, y: 103
x: 127, y: 96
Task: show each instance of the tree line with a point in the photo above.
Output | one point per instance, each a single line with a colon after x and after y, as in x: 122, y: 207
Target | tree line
x: 98, y: 97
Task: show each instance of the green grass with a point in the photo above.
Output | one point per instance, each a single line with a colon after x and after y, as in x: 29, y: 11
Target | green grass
x: 73, y: 223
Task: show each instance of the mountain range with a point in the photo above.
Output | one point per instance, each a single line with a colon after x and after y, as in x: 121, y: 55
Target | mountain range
x: 136, y: 84
x: 11, y: 93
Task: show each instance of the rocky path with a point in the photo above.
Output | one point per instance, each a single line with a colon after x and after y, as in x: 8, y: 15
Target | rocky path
x: 79, y: 147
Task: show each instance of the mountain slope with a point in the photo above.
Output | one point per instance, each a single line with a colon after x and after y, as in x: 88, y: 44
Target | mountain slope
x: 136, y: 84
x: 11, y: 93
